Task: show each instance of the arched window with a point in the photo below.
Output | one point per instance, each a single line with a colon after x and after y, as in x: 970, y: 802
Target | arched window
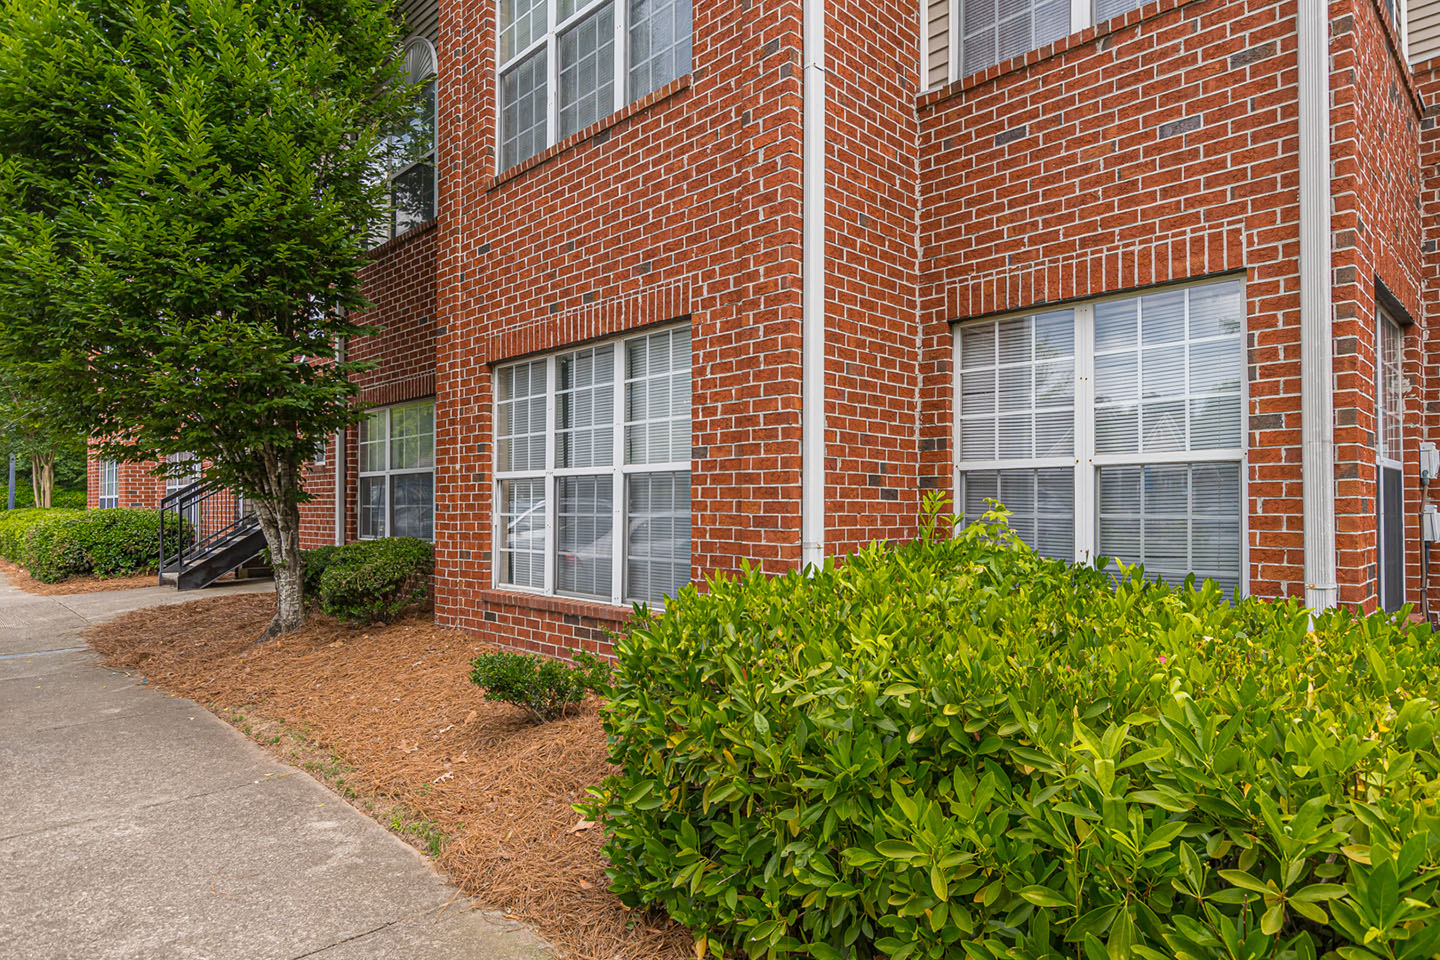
x: 410, y: 151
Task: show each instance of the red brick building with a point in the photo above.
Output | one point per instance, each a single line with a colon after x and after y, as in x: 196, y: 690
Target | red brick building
x: 675, y: 284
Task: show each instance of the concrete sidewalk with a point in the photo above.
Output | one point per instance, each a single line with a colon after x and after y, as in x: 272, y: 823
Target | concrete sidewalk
x: 137, y: 825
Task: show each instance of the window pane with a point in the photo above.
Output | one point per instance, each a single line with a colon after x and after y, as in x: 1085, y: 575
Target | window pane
x: 412, y: 436
x: 1169, y: 370
x: 373, y: 442
x: 1391, y: 389
x: 657, y: 398
x: 414, y: 499
x: 370, y: 510
x: 1017, y: 388
x: 587, y: 71
x: 520, y: 412
x: 1105, y: 9
x: 993, y: 31
x: 414, y: 140
x: 414, y: 197
x: 522, y: 22
x: 584, y: 541
x: 1041, y: 505
x: 659, y: 43
x: 522, y: 110
x: 522, y: 533
x: 657, y: 535
x: 1173, y: 518
x: 585, y: 408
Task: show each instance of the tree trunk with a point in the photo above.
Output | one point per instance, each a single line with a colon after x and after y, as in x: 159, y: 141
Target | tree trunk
x: 42, y: 477
x: 279, y: 518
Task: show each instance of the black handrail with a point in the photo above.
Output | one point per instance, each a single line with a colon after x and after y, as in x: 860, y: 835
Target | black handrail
x: 215, y: 514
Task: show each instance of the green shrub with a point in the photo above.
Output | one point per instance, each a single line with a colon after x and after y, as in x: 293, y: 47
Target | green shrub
x: 544, y: 686
x: 313, y: 564
x: 55, y: 544
x: 957, y: 748
x: 372, y: 581
x: 59, y: 500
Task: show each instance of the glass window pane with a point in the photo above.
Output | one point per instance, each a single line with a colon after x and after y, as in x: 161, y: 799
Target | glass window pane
x: 587, y: 71
x: 659, y: 43
x: 1023, y: 368
x: 412, y: 436
x: 373, y: 441
x: 522, y: 22
x: 523, y: 110
x: 657, y: 398
x: 520, y: 415
x: 657, y: 536
x: 585, y: 408
x: 584, y: 540
x: 1391, y: 389
x: 1105, y: 9
x: 1176, y: 519
x: 370, y: 510
x: 414, y: 510
x: 993, y: 31
x: 414, y: 197
x: 522, y: 533
x: 1041, y: 505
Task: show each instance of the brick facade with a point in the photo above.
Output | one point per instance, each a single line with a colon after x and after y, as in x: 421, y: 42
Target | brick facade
x: 1158, y: 147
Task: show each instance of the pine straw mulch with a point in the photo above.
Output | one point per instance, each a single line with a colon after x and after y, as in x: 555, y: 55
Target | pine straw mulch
x: 18, y: 577
x: 395, y: 706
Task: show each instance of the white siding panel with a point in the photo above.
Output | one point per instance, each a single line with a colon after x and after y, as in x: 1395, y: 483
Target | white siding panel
x: 1424, y: 30
x: 422, y: 18
x: 937, y: 46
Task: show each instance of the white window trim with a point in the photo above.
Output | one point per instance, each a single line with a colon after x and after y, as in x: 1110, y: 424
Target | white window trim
x: 1085, y: 461
x: 1384, y: 320
x: 618, y: 471
x: 387, y: 473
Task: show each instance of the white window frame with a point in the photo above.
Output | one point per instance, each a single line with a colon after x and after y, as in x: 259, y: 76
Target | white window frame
x: 618, y: 471
x: 1386, y: 325
x: 1082, y: 15
x: 1084, y: 460
x: 550, y: 43
x: 388, y: 473
x: 109, y: 495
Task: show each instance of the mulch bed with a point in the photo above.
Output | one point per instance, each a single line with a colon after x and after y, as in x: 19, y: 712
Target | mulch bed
x: 395, y: 704
x: 18, y: 577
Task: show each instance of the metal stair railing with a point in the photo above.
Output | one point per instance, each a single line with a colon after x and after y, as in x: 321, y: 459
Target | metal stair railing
x: 216, y: 517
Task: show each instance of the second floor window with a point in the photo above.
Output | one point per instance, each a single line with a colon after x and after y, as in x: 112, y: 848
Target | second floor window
x: 564, y: 64
x: 410, y: 149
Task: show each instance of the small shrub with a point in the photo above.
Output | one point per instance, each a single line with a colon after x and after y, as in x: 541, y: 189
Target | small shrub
x: 313, y: 564
x: 544, y: 686
x: 373, y: 581
x: 958, y: 748
x: 55, y: 544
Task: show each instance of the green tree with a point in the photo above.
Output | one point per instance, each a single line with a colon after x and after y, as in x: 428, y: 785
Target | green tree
x: 185, y: 191
x: 31, y: 429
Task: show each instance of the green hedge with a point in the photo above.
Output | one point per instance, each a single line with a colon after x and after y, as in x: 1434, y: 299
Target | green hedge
x: 55, y: 544
x: 369, y: 581
x: 957, y: 748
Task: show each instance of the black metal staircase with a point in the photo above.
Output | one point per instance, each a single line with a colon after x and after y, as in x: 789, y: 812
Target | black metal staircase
x: 220, y: 535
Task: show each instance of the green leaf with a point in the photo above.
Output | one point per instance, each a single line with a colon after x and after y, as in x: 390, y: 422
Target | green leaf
x: 1245, y: 881
x: 1043, y: 896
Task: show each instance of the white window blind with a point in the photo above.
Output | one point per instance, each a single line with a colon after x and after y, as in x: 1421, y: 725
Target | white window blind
x: 565, y: 64
x: 590, y: 443
x: 396, y: 483
x: 961, y: 37
x: 1114, y: 428
x: 109, y: 497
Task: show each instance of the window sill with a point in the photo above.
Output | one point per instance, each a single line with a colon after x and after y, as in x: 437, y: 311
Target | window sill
x: 670, y: 89
x: 595, y: 610
x: 395, y: 243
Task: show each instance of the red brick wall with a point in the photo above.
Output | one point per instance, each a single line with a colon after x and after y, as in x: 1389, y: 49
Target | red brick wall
x: 686, y: 204
x: 1159, y: 146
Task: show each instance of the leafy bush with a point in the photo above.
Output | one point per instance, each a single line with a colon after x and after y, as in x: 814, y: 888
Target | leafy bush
x: 372, y: 581
x: 55, y: 544
x: 957, y: 748
x: 544, y: 686
x: 313, y: 564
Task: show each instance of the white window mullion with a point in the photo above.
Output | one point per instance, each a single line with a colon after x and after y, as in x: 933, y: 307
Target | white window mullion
x: 621, y: 54
x: 618, y: 521
x: 552, y: 490
x: 1080, y: 14
x: 956, y: 9
x: 1085, y: 520
x: 552, y: 84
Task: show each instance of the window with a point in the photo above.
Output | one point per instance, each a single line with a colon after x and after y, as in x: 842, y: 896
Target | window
x: 318, y: 457
x: 109, y: 485
x: 1390, y: 460
x: 595, y: 55
x: 397, y: 472
x: 410, y: 150
x: 1112, y: 428
x: 966, y: 36
x: 589, y: 442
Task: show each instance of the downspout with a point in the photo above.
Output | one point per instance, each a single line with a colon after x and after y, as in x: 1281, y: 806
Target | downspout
x: 338, y: 472
x: 812, y: 289
x: 1316, y: 308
